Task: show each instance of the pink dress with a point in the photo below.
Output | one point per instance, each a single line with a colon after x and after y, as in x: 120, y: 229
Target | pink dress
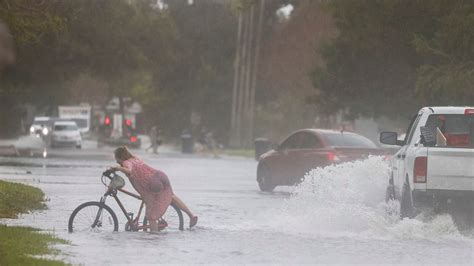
x: 153, y: 185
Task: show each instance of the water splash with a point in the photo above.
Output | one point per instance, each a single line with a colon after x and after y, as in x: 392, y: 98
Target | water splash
x: 349, y: 200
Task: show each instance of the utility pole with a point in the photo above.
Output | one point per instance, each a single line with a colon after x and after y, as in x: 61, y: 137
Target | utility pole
x: 245, y: 76
x: 240, y: 95
x: 246, y: 134
x: 233, y: 140
x: 255, y: 69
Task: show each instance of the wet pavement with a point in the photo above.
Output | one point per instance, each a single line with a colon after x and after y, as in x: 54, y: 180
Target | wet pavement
x: 336, y: 216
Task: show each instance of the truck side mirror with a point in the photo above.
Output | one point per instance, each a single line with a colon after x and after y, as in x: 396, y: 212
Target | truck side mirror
x: 390, y: 138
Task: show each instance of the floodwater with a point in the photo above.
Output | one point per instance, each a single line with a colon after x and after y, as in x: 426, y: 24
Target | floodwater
x: 337, y: 215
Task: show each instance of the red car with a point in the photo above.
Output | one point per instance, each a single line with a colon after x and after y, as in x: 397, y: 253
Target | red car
x: 307, y: 149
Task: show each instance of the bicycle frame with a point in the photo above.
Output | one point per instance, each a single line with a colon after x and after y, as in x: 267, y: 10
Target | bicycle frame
x: 132, y: 222
x: 113, y: 193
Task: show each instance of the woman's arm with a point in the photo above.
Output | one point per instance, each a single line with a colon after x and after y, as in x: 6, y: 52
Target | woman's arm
x: 122, y: 169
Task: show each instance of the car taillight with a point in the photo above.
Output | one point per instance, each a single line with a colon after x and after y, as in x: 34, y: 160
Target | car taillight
x: 420, y: 169
x: 469, y: 112
x: 332, y: 157
x: 133, y: 139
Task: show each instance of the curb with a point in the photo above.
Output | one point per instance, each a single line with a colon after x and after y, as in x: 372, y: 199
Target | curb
x: 9, y: 150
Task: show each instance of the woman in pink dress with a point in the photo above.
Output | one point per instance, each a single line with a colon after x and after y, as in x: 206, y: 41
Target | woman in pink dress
x: 153, y: 186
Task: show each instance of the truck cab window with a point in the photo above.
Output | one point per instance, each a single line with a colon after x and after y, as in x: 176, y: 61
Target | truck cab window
x: 456, y: 128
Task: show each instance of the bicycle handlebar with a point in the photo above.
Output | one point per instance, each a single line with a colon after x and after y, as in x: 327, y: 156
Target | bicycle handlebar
x: 108, y: 173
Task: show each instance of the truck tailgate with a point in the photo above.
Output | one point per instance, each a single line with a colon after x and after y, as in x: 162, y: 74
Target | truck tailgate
x: 450, y: 169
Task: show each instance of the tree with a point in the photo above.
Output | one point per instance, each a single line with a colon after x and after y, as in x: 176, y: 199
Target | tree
x: 390, y: 56
x: 289, y: 54
x: 58, y: 41
x: 447, y: 72
x: 31, y: 23
x: 201, y: 80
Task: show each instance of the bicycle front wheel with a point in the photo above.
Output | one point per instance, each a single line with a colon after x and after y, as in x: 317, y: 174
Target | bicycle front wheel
x: 93, y: 216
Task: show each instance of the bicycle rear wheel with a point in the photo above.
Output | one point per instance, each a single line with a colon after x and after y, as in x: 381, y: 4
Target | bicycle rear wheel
x: 172, y: 220
x: 93, y: 216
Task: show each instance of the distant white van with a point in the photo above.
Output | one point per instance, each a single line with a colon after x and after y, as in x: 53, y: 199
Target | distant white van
x: 79, y: 114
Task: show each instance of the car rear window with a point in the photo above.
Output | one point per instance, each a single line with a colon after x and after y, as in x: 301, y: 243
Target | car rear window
x: 65, y: 127
x: 348, y: 140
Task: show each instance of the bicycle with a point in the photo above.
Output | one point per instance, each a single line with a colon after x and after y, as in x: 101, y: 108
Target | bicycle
x: 97, y: 216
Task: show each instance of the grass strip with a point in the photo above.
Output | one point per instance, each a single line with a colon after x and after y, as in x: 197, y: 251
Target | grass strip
x: 23, y: 245
x: 18, y: 198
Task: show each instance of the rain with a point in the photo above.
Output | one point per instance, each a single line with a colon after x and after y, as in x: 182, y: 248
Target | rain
x: 260, y: 131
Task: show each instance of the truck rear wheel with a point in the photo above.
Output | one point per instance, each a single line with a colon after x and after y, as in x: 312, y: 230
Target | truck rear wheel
x: 407, y: 210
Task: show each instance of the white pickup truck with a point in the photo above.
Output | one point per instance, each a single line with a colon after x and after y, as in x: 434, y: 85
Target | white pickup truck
x: 435, y: 165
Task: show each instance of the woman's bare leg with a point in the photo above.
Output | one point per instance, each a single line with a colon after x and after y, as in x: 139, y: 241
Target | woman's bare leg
x: 176, y: 200
x: 153, y: 226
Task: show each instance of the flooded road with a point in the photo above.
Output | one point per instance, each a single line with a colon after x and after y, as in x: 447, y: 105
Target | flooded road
x: 337, y: 215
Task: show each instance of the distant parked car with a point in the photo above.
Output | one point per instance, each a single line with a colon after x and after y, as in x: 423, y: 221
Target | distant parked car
x: 41, y: 126
x: 66, y: 133
x: 307, y: 149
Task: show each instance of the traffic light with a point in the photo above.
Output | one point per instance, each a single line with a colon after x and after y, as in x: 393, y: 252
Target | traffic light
x: 105, y: 130
x: 128, y: 127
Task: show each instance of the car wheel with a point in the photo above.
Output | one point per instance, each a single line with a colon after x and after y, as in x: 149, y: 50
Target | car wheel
x: 407, y: 210
x: 264, y: 179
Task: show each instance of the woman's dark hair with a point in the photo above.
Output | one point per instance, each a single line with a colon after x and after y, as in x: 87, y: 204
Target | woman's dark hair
x: 122, y: 153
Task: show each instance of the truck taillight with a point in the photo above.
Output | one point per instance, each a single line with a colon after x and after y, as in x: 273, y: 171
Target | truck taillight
x: 420, y: 170
x: 469, y: 112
